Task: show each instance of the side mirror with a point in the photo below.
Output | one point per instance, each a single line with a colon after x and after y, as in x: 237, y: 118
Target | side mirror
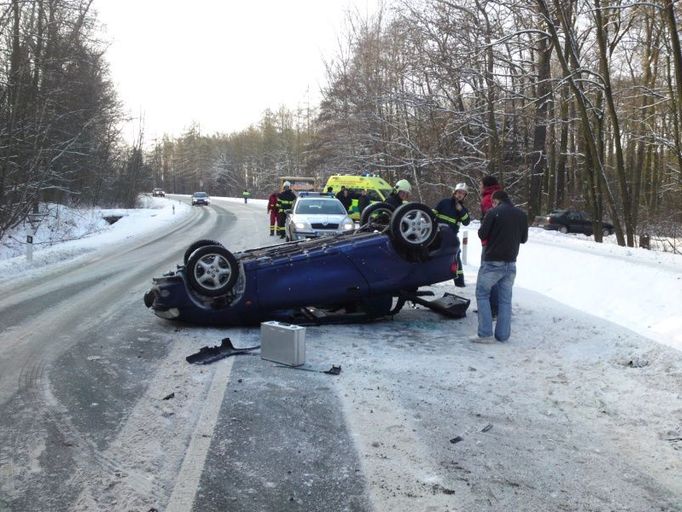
x: 288, y: 212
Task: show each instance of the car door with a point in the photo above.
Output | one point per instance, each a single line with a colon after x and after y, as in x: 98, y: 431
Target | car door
x: 583, y: 224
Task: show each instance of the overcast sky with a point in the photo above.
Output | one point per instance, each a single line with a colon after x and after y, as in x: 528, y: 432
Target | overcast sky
x: 220, y: 63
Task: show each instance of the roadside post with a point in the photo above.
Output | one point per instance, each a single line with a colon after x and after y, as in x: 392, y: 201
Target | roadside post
x: 29, y: 248
x: 465, y: 243
x: 34, y: 220
x: 173, y: 209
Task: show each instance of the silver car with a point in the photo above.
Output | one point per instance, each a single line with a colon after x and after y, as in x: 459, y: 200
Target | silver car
x: 314, y: 216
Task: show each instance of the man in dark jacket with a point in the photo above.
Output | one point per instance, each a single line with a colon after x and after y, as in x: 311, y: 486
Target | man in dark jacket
x: 285, y: 201
x: 504, y: 228
x: 345, y: 198
x: 451, y: 211
x: 363, y: 201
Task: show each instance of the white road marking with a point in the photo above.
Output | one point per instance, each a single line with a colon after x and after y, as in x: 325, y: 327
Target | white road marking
x: 187, y: 481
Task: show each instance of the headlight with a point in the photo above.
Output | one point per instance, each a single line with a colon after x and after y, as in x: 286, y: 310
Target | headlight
x: 348, y: 225
x: 303, y: 226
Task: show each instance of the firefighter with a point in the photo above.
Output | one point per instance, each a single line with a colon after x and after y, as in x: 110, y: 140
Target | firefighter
x: 401, y: 193
x: 272, y: 210
x: 285, y: 201
x: 451, y: 211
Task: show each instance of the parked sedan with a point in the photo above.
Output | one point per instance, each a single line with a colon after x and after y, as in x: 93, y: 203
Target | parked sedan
x: 200, y: 198
x: 348, y: 277
x: 313, y: 216
x: 571, y: 221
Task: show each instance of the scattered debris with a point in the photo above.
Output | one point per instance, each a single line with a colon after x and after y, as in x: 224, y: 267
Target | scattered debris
x: 637, y: 363
x: 487, y: 427
x: 456, y: 440
x: 207, y: 355
x: 439, y: 488
x: 334, y: 370
x: 168, y: 397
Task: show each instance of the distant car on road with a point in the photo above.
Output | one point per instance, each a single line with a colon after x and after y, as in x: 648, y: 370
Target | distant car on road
x: 158, y: 192
x: 315, y: 215
x: 200, y: 198
x: 570, y: 221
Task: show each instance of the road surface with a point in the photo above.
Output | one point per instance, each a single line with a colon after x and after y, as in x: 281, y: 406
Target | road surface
x: 100, y: 411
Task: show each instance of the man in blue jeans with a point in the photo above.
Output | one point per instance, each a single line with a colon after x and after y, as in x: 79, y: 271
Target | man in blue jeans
x: 504, y: 228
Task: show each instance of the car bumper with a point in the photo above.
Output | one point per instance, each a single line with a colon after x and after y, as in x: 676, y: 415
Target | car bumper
x: 304, y: 235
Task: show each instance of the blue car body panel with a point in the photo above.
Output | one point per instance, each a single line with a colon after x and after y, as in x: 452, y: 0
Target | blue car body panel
x: 359, y: 270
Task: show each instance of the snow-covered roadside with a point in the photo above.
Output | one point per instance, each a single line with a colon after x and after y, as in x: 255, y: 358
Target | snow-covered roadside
x: 83, y: 231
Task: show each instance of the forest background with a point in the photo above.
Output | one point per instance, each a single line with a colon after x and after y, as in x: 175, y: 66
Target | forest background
x: 569, y: 103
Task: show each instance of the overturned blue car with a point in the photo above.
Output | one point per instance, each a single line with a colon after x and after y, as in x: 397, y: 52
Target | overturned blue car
x: 359, y: 276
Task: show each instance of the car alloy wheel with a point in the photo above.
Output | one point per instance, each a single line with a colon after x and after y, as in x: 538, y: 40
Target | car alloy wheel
x: 212, y: 270
x: 563, y: 229
x: 194, y: 246
x: 414, y: 225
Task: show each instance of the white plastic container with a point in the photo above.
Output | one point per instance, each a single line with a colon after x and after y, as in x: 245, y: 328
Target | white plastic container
x: 282, y: 343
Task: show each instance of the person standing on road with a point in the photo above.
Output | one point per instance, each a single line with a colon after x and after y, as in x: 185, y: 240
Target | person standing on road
x: 401, y: 193
x: 451, y: 211
x: 246, y: 195
x: 272, y: 210
x: 345, y: 198
x: 504, y: 228
x: 363, y: 201
x: 285, y: 201
x: 489, y: 185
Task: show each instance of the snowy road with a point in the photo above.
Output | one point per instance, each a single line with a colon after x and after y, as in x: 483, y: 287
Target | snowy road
x: 576, y: 414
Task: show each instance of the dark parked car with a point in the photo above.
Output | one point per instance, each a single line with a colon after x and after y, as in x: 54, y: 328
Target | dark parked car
x: 200, y: 199
x: 158, y: 192
x: 347, y: 277
x: 570, y: 221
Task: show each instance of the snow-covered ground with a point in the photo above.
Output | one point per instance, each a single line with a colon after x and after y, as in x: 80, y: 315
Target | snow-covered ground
x: 584, y: 410
x: 635, y: 288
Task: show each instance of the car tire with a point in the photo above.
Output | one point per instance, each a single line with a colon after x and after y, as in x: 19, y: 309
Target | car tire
x: 212, y: 270
x: 193, y: 247
x: 377, y: 216
x: 414, y: 225
x: 606, y: 232
x: 563, y: 229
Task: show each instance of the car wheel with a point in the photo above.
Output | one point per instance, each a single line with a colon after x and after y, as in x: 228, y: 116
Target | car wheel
x: 377, y: 216
x: 193, y: 247
x: 414, y: 225
x: 606, y: 232
x: 563, y: 229
x: 212, y: 270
